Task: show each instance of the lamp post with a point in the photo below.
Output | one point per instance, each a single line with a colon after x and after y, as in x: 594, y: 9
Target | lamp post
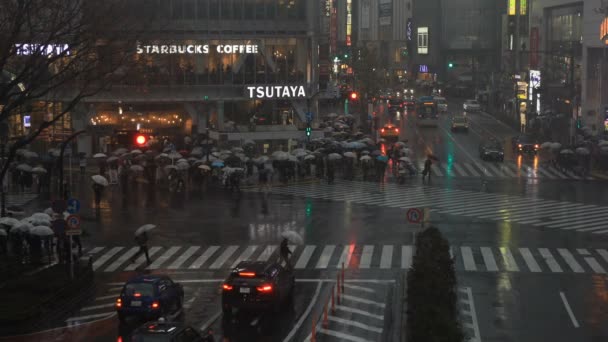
x: 3, y: 141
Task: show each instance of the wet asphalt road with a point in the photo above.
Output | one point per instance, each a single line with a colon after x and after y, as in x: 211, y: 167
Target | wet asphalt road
x: 524, y: 276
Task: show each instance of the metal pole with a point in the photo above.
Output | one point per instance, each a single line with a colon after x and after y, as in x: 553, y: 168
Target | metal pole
x: 516, y: 43
x: 71, y: 260
x: 70, y: 163
x: 3, y: 193
x: 63, y: 146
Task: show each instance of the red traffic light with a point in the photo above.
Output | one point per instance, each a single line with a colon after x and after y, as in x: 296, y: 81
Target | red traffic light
x: 141, y: 139
x: 354, y: 96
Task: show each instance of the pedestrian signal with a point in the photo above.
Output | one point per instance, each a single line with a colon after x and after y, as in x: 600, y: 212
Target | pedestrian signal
x: 141, y: 140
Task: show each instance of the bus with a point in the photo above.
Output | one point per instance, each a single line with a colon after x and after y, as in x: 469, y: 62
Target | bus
x: 426, y: 112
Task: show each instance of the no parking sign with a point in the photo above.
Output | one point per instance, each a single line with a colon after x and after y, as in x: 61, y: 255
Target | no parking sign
x: 414, y: 215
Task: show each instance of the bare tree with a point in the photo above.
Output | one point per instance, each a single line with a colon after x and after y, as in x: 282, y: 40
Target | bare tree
x: 63, y: 50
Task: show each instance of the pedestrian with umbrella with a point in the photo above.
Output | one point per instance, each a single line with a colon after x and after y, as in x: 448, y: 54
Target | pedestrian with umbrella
x: 141, y: 237
x: 427, y: 166
x: 284, y: 251
x: 99, y: 183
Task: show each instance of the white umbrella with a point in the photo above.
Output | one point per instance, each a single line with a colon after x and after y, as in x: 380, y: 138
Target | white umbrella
x: 112, y: 159
x: 556, y: 146
x: 39, y: 170
x: 22, y: 227
x: 136, y: 152
x: 101, y: 180
x: 365, y: 158
x: 42, y: 216
x: 406, y: 151
x: 293, y: 237
x: 405, y: 159
x: 36, y: 221
x: 298, y: 150
x: 204, y: 167
x: 120, y: 151
x: 566, y: 152
x: 175, y: 155
x: 170, y: 167
x: 162, y: 155
x: 300, y: 154
x: 368, y: 141
x: 262, y: 159
x: 309, y: 157
x: 2, y: 232
x: 183, y: 166
x: 24, y: 167
x: 350, y: 155
x: 602, y: 143
x: 334, y: 156
x: 9, y: 221
x: 280, y: 155
x: 237, y: 150
x: 546, y: 144
x: 145, y: 228
x: 583, y: 151
x: 137, y: 168
x: 30, y: 154
x: 99, y: 155
x: 249, y: 142
x: 49, y: 211
x: 42, y: 231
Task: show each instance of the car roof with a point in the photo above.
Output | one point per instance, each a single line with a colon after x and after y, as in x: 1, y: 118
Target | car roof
x: 150, y: 279
x: 259, y: 267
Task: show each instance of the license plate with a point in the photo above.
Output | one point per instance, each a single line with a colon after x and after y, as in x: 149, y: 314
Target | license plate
x: 136, y: 303
x: 244, y: 290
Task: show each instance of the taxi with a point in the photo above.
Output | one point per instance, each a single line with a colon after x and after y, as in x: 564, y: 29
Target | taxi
x: 460, y: 123
x: 389, y: 131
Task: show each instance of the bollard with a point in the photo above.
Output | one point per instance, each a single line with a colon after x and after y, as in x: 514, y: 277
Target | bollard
x: 342, y: 277
x: 325, y: 322
x: 338, y: 290
x: 333, y: 306
x: 313, y: 333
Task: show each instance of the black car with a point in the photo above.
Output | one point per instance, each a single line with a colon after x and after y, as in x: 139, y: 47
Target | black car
x: 150, y: 297
x: 524, y: 143
x: 257, y: 285
x: 491, y: 150
x: 395, y: 105
x: 165, y: 332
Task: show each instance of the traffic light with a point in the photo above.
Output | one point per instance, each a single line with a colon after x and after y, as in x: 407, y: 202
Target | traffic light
x: 308, y: 131
x: 353, y: 96
x: 140, y: 140
x: 451, y: 65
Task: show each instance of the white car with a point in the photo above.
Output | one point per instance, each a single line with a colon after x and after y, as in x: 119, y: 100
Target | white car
x: 471, y: 106
x: 441, y: 102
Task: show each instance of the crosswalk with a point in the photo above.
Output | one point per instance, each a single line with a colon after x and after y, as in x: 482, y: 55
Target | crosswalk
x: 486, y: 169
x: 19, y: 200
x: 355, y: 256
x: 538, y: 212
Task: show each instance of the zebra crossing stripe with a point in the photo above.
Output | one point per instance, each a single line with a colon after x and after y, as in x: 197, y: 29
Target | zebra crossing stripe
x: 223, y: 257
x: 182, y: 258
x: 204, y: 257
x: 595, y: 266
x: 580, y: 213
x: 600, y: 231
x: 305, y: 257
x: 496, y: 170
x: 483, y: 169
x: 460, y: 170
x: 95, y: 250
x: 570, y: 260
x: 510, y: 263
x: 406, y: 256
x: 268, y: 252
x: 557, y: 172
x: 508, y: 170
x: 366, y: 256
x: 436, y: 171
x: 471, y: 170
x: 550, y: 260
x: 529, y: 260
x: 244, y: 255
x: 121, y: 260
x: 163, y: 258
x: 488, y: 259
x: 588, y: 221
x: 467, y: 258
x: 386, y: 258
x: 536, y: 214
x: 546, y: 173
x: 347, y: 253
x: 328, y: 251
x: 104, y: 258
x: 151, y: 252
x: 603, y: 253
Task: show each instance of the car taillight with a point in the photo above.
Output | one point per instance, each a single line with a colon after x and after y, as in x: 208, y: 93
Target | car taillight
x: 119, y: 303
x: 155, y: 305
x: 382, y: 130
x: 119, y: 339
x: 519, y: 145
x: 137, y: 294
x: 227, y: 287
x: 246, y: 274
x: 536, y: 146
x: 264, y: 288
x: 397, y: 130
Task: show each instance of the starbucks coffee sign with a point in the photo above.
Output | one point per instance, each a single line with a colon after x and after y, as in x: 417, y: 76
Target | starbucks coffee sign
x: 276, y: 92
x: 196, y: 49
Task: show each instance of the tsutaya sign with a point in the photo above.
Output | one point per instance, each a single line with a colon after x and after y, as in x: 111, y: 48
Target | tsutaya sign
x: 276, y: 92
x: 196, y: 49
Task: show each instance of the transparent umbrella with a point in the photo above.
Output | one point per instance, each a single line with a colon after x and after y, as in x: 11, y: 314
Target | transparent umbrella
x: 292, y: 237
x: 145, y: 228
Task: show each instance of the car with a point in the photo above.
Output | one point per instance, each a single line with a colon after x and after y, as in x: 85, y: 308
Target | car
x: 442, y: 104
x: 258, y: 286
x: 491, y: 150
x: 165, y: 332
x: 389, y: 131
x: 395, y: 105
x: 460, y: 122
x: 525, y: 143
x: 150, y: 297
x: 471, y: 106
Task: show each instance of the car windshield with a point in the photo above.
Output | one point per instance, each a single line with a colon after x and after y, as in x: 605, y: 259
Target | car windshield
x: 525, y: 139
x: 144, y: 289
x: 472, y: 102
x: 460, y: 119
x: 493, y: 145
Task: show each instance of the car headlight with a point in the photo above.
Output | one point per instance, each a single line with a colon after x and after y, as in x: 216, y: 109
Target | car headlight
x: 501, y: 153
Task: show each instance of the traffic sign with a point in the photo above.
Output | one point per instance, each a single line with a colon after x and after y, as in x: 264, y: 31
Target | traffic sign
x: 73, y: 206
x: 59, y: 206
x: 308, y: 116
x: 414, y: 215
x: 73, y: 225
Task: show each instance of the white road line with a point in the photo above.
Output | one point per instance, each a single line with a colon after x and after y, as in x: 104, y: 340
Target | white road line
x: 473, y: 314
x: 182, y: 258
x: 595, y: 266
x: 354, y: 324
x: 472, y: 170
x: 323, y: 261
x: 223, y: 257
x: 347, y: 253
x: 142, y: 258
x: 306, y: 313
x: 305, y: 257
x: 460, y: 170
x: 210, y: 321
x: 569, y: 258
x: 603, y: 253
x: 488, y: 259
x: 600, y: 231
x: 496, y: 170
x: 82, y: 318
x: 534, y: 212
x: 267, y: 253
x: 504, y: 168
x: 583, y: 251
x: 568, y: 309
x: 366, y: 256
x: 359, y: 312
x: 574, y: 220
x: 359, y: 288
x: 104, y: 258
x: 244, y: 255
x: 510, y: 263
x: 386, y: 259
x: 342, y: 336
x: 406, y: 256
x: 163, y: 258
x: 467, y: 258
x: 94, y: 250
x: 545, y: 173
x: 550, y: 260
x: 122, y: 259
x: 95, y: 307
x: 436, y: 170
x: 204, y: 257
x: 363, y: 300
x: 483, y: 169
x: 529, y: 260
x: 105, y: 297
x: 579, y: 212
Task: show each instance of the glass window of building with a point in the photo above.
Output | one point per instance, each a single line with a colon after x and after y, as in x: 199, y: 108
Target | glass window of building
x: 189, y: 9
x: 177, y: 10
x: 271, y: 10
x: 202, y: 9
x: 226, y: 7
x: 214, y: 9
x: 260, y: 10
x: 249, y: 9
x: 282, y: 9
x: 237, y: 9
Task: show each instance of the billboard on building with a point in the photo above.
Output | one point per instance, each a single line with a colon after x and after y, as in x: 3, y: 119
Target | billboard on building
x: 534, y: 44
x: 385, y: 12
x: 365, y: 14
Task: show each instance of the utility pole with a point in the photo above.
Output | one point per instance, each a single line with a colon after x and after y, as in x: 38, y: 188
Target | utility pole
x: 516, y: 37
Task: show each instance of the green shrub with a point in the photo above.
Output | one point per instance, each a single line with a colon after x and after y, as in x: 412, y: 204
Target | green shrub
x: 432, y: 313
